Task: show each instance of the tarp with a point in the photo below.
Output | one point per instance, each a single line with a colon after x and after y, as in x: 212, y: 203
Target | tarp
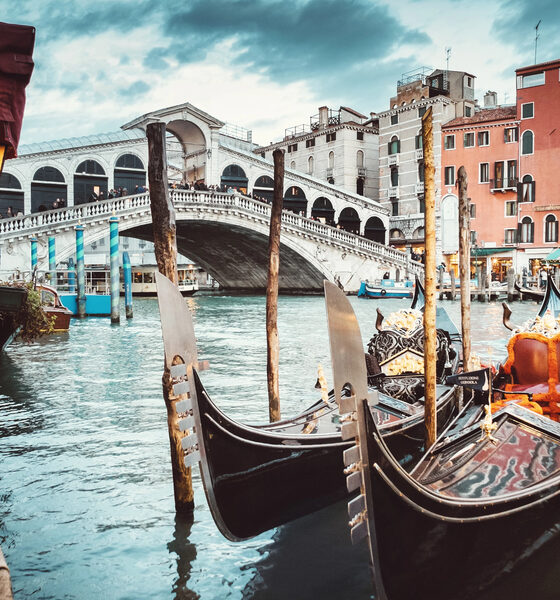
x: 554, y: 255
x: 488, y: 251
x: 16, y: 66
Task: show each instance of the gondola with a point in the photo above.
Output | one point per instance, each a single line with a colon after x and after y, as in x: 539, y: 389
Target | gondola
x: 480, y: 502
x: 12, y: 298
x: 260, y: 477
x: 532, y: 294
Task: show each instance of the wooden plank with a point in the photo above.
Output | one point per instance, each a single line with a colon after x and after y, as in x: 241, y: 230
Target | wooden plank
x: 192, y: 458
x: 351, y: 455
x: 183, y: 406
x: 356, y: 506
x: 354, y: 481
x: 347, y: 405
x: 182, y: 388
x: 186, y: 423
x: 349, y: 430
x: 189, y: 440
x: 358, y: 532
x: 179, y: 370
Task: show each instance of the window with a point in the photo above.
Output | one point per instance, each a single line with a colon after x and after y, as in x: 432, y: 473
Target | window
x: 418, y: 141
x: 511, y: 208
x: 511, y: 134
x: 510, y: 236
x: 550, y: 229
x: 293, y: 164
x: 310, y: 165
x: 331, y: 137
x: 531, y: 80
x: 331, y: 160
x: 359, y: 159
x: 394, y: 207
x: 483, y: 138
x: 394, y: 177
x: 527, y: 142
x: 484, y: 172
x: 526, y: 230
x: 473, y: 237
x: 449, y: 175
x: 394, y: 119
x: 422, y: 111
x: 472, y: 211
x: 421, y: 172
x: 449, y: 142
x: 498, y: 181
x: 468, y: 140
x: 360, y: 186
x: 511, y: 174
x: 468, y: 112
x: 394, y: 145
x: 310, y: 143
x: 421, y: 204
x: 528, y: 110
x: 360, y: 135
x: 292, y: 147
x: 526, y: 190
x: 469, y: 81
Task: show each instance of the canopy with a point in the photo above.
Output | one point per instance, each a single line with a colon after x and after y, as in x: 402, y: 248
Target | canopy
x: 554, y: 255
x: 488, y: 251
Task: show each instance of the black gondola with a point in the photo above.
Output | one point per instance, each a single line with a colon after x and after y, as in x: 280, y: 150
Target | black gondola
x: 259, y: 477
x: 479, y: 503
x: 532, y: 294
x: 12, y: 298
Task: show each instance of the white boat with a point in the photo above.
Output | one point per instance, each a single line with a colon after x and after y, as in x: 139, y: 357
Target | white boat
x: 144, y: 281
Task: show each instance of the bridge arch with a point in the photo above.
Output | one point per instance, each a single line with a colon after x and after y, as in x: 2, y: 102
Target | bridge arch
x: 234, y: 176
x: 11, y: 195
x: 264, y: 188
x: 375, y: 230
x: 129, y: 171
x: 48, y: 185
x: 323, y: 210
x: 295, y: 200
x: 349, y: 220
x: 90, y: 177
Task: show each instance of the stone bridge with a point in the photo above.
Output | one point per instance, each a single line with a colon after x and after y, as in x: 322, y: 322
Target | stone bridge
x: 226, y: 234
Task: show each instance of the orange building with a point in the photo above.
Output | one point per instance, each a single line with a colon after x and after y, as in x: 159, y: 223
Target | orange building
x: 486, y: 145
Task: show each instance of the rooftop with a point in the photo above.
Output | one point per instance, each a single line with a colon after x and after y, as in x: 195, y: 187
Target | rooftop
x: 504, y: 113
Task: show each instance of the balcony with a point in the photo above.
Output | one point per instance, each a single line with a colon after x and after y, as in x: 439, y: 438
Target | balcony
x: 329, y: 172
x: 393, y: 159
x: 361, y: 171
x: 419, y: 153
x: 503, y: 185
x: 420, y: 188
x: 394, y: 191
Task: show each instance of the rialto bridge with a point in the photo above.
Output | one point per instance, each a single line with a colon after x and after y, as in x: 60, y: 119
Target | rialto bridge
x: 225, y: 233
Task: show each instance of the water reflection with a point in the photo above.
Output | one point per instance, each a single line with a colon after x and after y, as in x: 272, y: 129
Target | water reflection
x: 186, y: 555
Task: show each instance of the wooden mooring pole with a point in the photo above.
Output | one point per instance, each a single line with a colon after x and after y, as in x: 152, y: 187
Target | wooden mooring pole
x: 430, y: 357
x: 272, y: 345
x: 165, y: 247
x: 465, y: 266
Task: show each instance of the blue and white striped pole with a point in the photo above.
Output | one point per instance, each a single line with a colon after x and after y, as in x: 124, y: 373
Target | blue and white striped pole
x: 80, y: 271
x: 115, y: 279
x: 52, y: 260
x: 71, y: 275
x: 127, y: 276
x: 33, y: 253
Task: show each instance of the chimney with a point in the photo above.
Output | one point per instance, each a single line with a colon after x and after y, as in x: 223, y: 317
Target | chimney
x: 323, y: 116
x: 490, y: 99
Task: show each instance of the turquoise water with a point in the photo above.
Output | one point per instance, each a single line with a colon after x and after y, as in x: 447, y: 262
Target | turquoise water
x: 86, y: 498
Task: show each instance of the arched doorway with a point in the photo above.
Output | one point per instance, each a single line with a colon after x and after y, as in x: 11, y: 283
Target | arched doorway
x: 295, y: 200
x: 90, y: 178
x: 323, y: 211
x: 129, y: 173
x: 374, y: 230
x: 187, y: 153
x: 11, y: 195
x: 234, y: 177
x: 47, y: 186
x: 349, y: 220
x: 264, y: 188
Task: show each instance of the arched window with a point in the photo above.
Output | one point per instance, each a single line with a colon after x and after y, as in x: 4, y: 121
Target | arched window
x: 323, y: 210
x: 233, y: 176
x: 310, y: 165
x: 550, y: 229
x: 394, y: 145
x: 526, y: 191
x: 331, y: 160
x: 349, y: 220
x: 129, y: 161
x: 527, y: 231
x: 129, y: 173
x: 359, y: 159
x: 91, y: 167
x: 91, y: 183
x: 48, y: 174
x: 264, y: 188
x: 527, y: 142
x: 11, y: 195
x: 394, y: 176
x: 295, y: 200
x: 396, y: 234
x: 293, y: 164
x: 375, y: 230
x: 47, y: 187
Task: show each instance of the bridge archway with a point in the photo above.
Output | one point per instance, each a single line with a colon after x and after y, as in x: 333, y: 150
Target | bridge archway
x: 129, y: 172
x: 89, y: 178
x: 48, y: 185
x: 234, y: 176
x: 11, y: 195
x: 375, y: 230
x: 295, y: 200
x: 264, y: 188
x: 323, y: 210
x: 349, y: 220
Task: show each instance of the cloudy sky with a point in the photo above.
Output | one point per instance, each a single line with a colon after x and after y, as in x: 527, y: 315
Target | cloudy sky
x: 262, y: 64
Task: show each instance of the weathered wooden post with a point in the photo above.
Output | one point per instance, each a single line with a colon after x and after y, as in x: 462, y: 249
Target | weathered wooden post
x: 272, y: 344
x: 115, y: 274
x: 465, y: 266
x: 165, y: 247
x: 429, y: 281
x: 52, y: 260
x: 127, y: 277
x: 5, y: 581
x: 80, y: 272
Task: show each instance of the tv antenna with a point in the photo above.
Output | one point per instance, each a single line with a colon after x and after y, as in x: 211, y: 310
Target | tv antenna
x: 537, y: 38
x: 447, y: 56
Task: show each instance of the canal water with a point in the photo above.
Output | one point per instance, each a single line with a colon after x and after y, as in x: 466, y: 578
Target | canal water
x: 86, y: 498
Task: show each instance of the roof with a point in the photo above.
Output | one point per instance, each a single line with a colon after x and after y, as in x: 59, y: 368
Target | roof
x: 545, y: 65
x: 81, y: 142
x: 354, y: 112
x: 504, y: 113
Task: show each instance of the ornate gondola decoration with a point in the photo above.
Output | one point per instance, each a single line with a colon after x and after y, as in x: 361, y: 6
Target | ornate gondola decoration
x: 471, y: 510
x: 257, y: 477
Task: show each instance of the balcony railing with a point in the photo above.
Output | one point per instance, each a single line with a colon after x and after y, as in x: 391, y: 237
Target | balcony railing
x: 420, y: 188
x: 330, y: 172
x: 361, y: 171
x: 506, y: 183
x: 393, y: 159
x: 393, y: 191
x: 419, y: 153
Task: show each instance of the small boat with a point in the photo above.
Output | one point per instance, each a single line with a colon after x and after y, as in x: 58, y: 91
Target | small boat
x: 386, y: 288
x: 531, y: 293
x: 257, y: 477
x: 144, y: 281
x: 12, y: 298
x: 53, y: 307
x: 481, y: 501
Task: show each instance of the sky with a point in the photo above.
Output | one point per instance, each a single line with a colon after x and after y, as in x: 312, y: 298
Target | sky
x: 265, y: 65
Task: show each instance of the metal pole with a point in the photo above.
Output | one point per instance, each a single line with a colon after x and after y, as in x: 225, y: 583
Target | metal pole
x: 33, y: 253
x: 80, y: 271
x: 465, y: 266
x: 272, y: 344
x: 115, y: 274
x: 430, y: 337
x: 165, y: 248
x: 127, y: 276
x: 71, y: 275
x: 52, y: 260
